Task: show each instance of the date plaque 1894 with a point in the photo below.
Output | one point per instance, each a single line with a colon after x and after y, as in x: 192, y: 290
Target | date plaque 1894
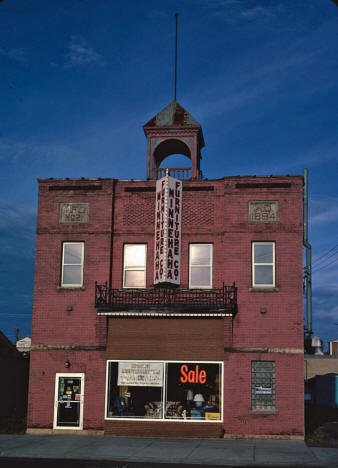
x: 263, y: 211
x: 74, y: 213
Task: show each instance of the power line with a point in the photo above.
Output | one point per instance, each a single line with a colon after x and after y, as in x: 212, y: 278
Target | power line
x: 325, y: 266
x: 326, y: 259
x: 321, y: 258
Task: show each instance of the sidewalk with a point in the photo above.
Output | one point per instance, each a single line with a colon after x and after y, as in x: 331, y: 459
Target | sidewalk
x: 176, y: 451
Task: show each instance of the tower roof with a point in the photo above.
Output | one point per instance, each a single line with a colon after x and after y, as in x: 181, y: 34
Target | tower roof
x: 173, y: 131
x: 174, y: 115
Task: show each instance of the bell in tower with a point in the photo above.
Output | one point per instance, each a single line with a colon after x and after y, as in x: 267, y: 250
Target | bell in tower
x: 173, y: 131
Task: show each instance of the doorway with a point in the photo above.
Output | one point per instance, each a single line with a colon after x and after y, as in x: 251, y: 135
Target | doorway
x: 68, y: 406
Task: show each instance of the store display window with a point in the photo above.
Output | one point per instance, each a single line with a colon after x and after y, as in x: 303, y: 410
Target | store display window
x: 164, y: 390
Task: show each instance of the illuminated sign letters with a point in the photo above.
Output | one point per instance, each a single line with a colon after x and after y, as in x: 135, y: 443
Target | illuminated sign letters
x: 193, y: 376
x: 168, y: 210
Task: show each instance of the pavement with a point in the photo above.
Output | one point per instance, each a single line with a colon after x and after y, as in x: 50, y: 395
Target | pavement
x: 154, y: 451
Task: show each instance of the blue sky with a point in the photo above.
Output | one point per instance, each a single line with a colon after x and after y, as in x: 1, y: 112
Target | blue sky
x: 78, y: 79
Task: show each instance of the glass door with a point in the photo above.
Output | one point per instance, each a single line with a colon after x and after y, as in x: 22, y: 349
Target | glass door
x: 68, y: 409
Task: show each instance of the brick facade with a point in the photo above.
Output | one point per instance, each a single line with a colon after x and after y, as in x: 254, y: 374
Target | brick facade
x: 268, y: 325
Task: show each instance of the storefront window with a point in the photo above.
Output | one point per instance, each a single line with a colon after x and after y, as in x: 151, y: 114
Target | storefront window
x: 135, y: 390
x: 193, y: 391
x: 165, y: 390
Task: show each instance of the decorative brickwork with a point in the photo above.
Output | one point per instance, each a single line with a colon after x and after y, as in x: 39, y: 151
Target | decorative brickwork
x: 198, y: 212
x: 139, y: 211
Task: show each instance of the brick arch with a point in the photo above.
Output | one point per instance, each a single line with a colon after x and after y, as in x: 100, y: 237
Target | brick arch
x: 169, y: 147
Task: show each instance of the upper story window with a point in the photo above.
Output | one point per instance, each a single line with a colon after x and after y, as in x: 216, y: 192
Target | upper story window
x: 200, y: 266
x: 263, y: 264
x: 72, y: 264
x: 134, y: 265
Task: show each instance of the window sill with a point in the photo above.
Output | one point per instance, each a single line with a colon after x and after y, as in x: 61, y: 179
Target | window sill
x: 264, y: 411
x: 71, y: 288
x: 264, y: 289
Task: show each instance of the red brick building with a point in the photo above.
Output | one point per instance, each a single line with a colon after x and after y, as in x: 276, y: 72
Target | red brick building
x: 213, y: 346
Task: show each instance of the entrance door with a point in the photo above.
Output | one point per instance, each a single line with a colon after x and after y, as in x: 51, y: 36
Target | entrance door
x: 68, y: 407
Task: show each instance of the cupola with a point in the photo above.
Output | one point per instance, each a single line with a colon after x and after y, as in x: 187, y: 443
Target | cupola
x: 173, y: 131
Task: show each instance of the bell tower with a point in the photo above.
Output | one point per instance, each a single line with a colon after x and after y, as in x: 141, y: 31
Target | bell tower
x: 173, y: 131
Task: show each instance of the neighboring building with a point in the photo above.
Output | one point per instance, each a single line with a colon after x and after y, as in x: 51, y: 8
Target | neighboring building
x: 187, y: 322
x: 333, y: 347
x: 319, y: 365
x: 14, y: 377
x: 321, y: 390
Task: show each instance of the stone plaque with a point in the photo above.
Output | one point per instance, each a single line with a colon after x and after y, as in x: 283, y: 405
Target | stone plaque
x: 263, y: 211
x: 74, y: 213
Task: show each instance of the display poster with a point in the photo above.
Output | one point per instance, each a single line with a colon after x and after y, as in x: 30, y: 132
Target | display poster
x: 260, y: 390
x: 69, y: 389
x: 168, y: 214
x: 140, y: 374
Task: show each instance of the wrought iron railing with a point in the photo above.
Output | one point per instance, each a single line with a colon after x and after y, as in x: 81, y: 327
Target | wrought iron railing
x: 189, y: 300
x: 182, y: 173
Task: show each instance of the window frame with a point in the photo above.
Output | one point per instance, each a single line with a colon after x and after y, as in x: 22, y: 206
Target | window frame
x: 164, y: 392
x: 210, y: 265
x: 272, y: 264
x: 125, y: 269
x: 72, y: 285
x: 58, y: 375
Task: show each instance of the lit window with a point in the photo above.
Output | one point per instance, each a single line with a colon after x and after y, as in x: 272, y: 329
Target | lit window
x: 263, y: 264
x: 134, y: 266
x: 72, y: 264
x: 263, y: 378
x: 200, y: 266
x: 164, y: 390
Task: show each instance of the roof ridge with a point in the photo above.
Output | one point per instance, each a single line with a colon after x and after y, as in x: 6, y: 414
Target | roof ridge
x: 173, y: 115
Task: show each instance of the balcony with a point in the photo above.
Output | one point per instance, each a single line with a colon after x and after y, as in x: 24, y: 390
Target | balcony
x: 158, y: 301
x: 182, y: 173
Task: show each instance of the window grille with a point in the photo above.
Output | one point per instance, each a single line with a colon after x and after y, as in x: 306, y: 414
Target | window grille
x: 263, y: 382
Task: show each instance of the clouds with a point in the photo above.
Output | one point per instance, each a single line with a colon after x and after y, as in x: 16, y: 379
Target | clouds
x: 323, y: 211
x: 257, y: 13
x: 16, y: 54
x: 80, y: 53
x: 241, y: 10
x: 253, y: 79
x: 325, y: 302
x: 17, y: 228
x: 36, y: 152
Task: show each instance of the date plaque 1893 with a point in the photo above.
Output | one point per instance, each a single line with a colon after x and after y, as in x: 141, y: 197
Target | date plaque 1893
x: 74, y: 213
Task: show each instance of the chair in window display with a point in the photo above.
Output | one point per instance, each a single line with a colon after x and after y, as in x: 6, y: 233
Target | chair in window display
x: 153, y: 409
x: 174, y: 409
